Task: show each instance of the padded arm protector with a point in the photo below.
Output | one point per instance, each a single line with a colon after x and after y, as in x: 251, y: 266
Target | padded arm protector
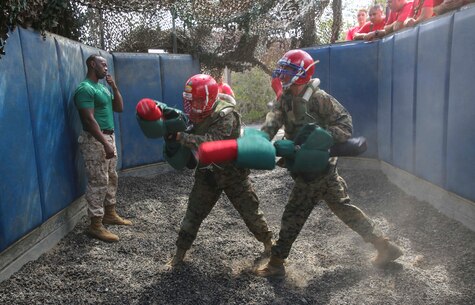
x: 152, y: 129
x: 313, y: 155
x: 252, y: 150
x: 177, y: 155
x: 172, y: 121
x: 255, y: 150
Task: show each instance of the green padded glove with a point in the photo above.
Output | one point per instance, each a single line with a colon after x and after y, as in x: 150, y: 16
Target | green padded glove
x: 255, y: 150
x: 285, y: 148
x: 176, y: 154
x: 313, y: 155
x: 152, y: 129
x: 175, y: 119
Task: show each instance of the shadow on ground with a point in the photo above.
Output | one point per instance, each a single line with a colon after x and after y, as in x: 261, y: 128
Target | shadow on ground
x: 329, y: 264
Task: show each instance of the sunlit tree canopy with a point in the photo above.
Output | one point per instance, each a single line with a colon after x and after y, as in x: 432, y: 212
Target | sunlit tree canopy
x: 233, y: 33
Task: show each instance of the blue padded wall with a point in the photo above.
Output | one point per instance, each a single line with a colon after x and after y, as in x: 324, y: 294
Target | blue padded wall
x: 138, y: 76
x: 175, y: 71
x: 385, y: 79
x: 71, y: 73
x: 403, y: 103
x: 322, y: 69
x: 357, y: 91
x: 460, y: 129
x: 20, y: 206
x: 86, y: 52
x: 48, y: 122
x: 431, y: 98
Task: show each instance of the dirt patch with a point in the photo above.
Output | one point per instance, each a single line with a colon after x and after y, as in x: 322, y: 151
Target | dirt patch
x: 329, y: 263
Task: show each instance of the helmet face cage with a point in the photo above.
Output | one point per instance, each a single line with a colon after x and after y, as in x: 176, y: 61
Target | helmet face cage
x: 199, y: 97
x: 298, y: 65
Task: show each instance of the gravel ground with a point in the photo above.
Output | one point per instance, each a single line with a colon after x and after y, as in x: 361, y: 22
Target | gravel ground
x: 329, y: 264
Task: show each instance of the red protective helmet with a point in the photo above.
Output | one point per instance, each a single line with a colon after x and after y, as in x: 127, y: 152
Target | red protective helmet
x: 295, y: 67
x: 199, y: 96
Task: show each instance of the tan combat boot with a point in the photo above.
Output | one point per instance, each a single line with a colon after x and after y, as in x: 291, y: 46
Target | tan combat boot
x: 112, y: 218
x: 274, y: 268
x: 387, y: 251
x: 97, y: 230
x: 178, y: 258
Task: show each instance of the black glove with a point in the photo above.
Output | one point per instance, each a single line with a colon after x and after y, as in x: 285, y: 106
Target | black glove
x: 351, y: 148
x: 171, y: 144
x: 171, y: 137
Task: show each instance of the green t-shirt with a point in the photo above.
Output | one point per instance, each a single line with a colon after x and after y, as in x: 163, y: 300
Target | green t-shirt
x: 94, y: 95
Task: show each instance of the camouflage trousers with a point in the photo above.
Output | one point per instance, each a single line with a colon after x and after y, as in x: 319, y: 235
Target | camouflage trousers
x: 101, y: 173
x: 205, y: 193
x: 303, y: 198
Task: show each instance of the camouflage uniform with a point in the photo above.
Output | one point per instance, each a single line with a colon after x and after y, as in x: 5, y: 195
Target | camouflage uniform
x: 211, y: 181
x: 101, y: 173
x: 293, y: 113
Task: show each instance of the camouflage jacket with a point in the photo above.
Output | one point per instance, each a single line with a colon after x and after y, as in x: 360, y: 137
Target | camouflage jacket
x: 223, y: 124
x: 321, y: 108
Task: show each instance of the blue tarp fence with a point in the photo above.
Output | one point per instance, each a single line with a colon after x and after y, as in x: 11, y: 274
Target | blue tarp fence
x: 412, y: 95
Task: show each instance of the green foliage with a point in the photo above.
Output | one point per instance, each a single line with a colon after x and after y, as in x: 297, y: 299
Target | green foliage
x: 57, y: 16
x: 253, y: 92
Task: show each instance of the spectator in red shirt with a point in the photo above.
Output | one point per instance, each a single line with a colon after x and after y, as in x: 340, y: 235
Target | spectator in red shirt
x: 421, y: 10
x: 400, y: 11
x: 376, y: 22
x: 362, y: 14
x: 225, y: 88
x: 449, y: 5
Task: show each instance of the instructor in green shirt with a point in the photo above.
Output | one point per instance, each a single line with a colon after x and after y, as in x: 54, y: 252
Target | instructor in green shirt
x: 96, y: 106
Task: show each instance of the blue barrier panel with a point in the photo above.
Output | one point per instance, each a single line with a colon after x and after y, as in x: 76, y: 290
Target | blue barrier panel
x: 385, y: 79
x: 431, y: 105
x: 460, y: 130
x: 20, y: 202
x: 173, y: 79
x: 138, y: 76
x: 48, y: 121
x: 86, y: 52
x: 354, y: 86
x: 404, y: 71
x: 322, y: 69
x: 71, y: 73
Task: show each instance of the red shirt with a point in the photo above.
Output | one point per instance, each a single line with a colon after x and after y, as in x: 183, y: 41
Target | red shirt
x: 225, y: 88
x: 401, y: 15
x: 417, y: 7
x: 351, y: 32
x: 369, y: 27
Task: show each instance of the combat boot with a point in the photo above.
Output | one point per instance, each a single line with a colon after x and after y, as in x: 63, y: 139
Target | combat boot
x: 112, y: 218
x: 178, y: 258
x: 274, y: 268
x: 387, y: 251
x: 97, y: 230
